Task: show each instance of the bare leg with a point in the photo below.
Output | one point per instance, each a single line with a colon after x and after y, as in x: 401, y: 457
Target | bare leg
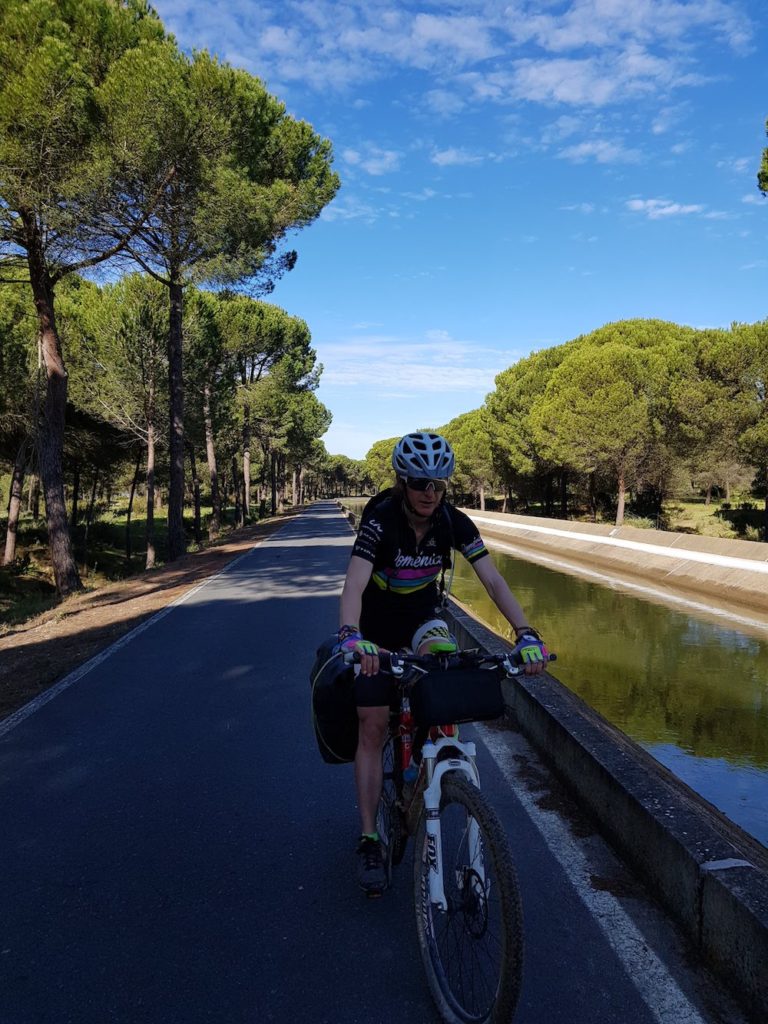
x: 374, y: 725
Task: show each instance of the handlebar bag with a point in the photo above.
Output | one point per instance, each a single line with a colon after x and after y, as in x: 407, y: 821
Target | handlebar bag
x: 334, y: 714
x: 453, y: 695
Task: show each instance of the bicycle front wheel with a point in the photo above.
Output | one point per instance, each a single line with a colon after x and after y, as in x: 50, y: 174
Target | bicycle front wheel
x: 472, y: 951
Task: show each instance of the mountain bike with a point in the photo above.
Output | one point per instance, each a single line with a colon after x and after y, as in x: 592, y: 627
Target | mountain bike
x: 466, y: 894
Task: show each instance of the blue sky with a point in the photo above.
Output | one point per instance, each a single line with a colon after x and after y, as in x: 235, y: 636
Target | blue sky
x: 514, y: 174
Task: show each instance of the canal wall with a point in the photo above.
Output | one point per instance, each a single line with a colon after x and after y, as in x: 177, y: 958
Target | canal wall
x: 709, y: 874
x: 730, y: 572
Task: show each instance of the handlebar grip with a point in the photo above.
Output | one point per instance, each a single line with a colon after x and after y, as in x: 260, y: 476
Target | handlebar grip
x: 385, y: 658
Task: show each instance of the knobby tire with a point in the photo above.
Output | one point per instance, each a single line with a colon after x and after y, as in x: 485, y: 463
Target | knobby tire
x: 472, y: 953
x: 389, y: 819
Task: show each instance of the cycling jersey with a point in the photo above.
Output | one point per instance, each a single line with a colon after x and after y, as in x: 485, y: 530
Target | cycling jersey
x: 403, y: 589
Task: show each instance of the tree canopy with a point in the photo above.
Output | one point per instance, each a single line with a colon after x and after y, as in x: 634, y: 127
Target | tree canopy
x: 116, y: 146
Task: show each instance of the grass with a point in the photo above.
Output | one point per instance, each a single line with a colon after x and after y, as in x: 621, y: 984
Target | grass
x: 696, y: 517
x: 27, y: 587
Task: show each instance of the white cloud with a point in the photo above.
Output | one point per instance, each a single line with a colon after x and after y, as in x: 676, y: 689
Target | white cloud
x: 753, y: 199
x: 350, y: 208
x: 656, y: 209
x: 423, y: 196
x: 667, y: 118
x: 433, y: 363
x: 445, y: 103
x: 738, y: 165
x: 280, y: 41
x: 453, y: 157
x: 373, y: 160
x: 600, y: 150
x: 562, y: 128
x: 602, y: 23
x: 593, y: 51
x: 580, y: 207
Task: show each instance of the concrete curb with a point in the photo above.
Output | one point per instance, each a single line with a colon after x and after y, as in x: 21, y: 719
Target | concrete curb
x: 710, y: 875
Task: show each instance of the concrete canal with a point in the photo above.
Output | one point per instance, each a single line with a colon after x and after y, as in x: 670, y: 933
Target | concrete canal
x: 691, y: 688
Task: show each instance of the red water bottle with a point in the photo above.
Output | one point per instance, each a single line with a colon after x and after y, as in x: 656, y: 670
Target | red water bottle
x: 406, y: 733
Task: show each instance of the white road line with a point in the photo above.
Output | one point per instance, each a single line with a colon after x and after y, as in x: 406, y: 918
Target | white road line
x: 619, y: 582
x: 679, y: 554
x: 64, y: 684
x: 656, y: 986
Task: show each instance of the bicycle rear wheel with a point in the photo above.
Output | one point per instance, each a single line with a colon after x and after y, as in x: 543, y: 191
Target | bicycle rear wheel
x: 389, y: 819
x: 473, y: 951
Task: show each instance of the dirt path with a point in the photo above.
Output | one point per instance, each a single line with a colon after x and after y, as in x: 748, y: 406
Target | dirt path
x: 36, y: 654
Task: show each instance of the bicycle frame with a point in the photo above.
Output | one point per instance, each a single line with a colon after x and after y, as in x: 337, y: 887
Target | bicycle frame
x: 435, y: 770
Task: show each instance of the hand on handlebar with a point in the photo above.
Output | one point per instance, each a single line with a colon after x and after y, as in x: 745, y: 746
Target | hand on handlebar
x: 514, y: 663
x: 362, y: 652
x: 531, y: 652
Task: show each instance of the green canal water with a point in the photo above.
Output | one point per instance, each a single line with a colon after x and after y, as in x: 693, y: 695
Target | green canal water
x: 691, y: 691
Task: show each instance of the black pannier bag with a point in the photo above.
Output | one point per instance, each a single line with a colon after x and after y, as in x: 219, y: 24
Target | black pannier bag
x: 334, y: 713
x: 457, y: 695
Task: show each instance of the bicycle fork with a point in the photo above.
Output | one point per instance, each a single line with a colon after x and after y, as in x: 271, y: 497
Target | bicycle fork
x: 434, y: 853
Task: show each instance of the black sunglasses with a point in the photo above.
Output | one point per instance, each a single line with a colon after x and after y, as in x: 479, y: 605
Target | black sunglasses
x: 419, y: 484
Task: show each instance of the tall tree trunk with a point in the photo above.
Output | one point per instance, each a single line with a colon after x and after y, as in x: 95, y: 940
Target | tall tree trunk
x: 246, y: 461
x: 36, y: 498
x: 214, y: 523
x: 176, y: 539
x: 281, y: 484
x: 273, y: 480
x: 134, y: 483
x: 564, y: 494
x: 708, y: 495
x: 548, y: 500
x: 482, y: 497
x: 302, y: 486
x: 150, y: 527
x: 765, y: 508
x: 89, y: 519
x: 621, y: 501
x: 14, y: 505
x: 75, y: 499
x: 593, y: 497
x: 237, y: 493
x: 196, y: 493
x: 224, y: 492
x: 51, y: 438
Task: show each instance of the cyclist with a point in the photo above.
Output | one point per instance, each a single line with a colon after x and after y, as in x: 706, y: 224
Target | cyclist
x: 391, y: 599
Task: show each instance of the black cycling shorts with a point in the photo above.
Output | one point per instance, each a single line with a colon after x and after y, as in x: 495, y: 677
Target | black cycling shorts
x: 376, y: 691
x: 381, y: 690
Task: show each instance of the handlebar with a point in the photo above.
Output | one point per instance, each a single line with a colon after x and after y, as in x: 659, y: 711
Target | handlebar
x: 395, y: 664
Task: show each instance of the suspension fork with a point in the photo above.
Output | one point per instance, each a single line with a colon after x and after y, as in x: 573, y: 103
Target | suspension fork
x: 435, y: 772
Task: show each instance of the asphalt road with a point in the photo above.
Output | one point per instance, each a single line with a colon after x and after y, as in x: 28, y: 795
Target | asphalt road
x: 174, y: 851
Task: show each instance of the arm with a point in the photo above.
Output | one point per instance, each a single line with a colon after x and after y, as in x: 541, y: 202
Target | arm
x: 500, y: 594
x: 358, y: 573
x: 510, y: 608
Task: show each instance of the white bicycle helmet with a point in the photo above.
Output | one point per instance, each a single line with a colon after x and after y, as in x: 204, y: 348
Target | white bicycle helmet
x: 423, y: 456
